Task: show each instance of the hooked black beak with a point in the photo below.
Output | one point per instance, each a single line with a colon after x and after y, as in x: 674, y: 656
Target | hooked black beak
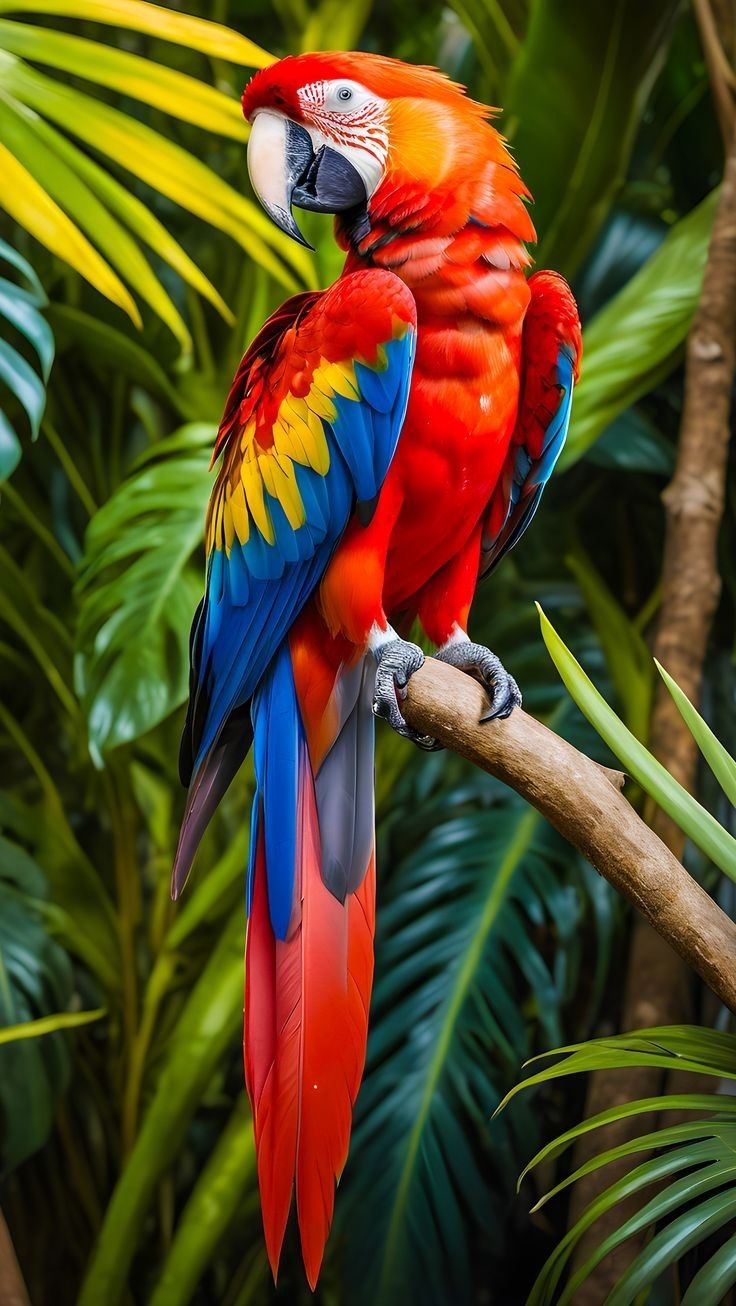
x: 285, y: 170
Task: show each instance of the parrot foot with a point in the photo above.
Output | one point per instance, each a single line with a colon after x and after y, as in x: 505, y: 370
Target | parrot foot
x: 397, y: 661
x: 501, y: 688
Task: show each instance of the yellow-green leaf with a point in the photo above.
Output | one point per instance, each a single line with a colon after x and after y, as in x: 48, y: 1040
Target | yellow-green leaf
x: 182, y: 29
x: 161, y: 164
x: 136, y: 215
x: 33, y: 208
x: 718, y: 758
x: 49, y: 1024
x: 142, y: 79
x: 44, y: 160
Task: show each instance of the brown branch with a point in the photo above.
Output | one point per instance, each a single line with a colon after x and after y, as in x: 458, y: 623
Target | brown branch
x: 720, y: 72
x: 579, y: 799
x: 12, y: 1288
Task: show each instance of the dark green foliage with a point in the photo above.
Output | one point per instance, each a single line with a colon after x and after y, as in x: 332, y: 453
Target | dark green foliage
x: 684, y: 1171
x: 35, y: 980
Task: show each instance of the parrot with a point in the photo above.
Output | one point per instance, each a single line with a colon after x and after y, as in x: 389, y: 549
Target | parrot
x: 384, y: 444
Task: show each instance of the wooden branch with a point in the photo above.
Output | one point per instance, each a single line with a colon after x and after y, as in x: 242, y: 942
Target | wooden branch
x: 578, y: 797
x: 12, y: 1288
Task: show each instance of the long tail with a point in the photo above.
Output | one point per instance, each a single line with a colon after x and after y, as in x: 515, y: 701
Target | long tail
x: 309, y: 951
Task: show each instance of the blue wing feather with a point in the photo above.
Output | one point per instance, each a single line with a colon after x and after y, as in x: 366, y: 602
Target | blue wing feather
x: 255, y: 590
x: 526, y: 477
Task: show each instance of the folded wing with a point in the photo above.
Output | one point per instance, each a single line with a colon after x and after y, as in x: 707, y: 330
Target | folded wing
x: 309, y: 431
x: 551, y: 352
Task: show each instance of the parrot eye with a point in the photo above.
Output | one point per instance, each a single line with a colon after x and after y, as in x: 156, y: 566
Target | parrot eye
x: 344, y: 93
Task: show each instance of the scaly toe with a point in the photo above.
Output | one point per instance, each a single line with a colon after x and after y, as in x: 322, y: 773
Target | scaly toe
x: 397, y: 662
x: 478, y: 660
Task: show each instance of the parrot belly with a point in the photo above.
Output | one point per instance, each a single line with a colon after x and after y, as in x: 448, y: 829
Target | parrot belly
x: 450, y: 455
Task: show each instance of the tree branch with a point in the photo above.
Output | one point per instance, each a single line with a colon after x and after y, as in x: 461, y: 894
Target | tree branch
x: 582, y: 800
x: 12, y: 1288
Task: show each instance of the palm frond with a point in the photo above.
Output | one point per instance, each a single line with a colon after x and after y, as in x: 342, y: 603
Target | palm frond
x: 690, y: 1166
x: 76, y: 206
x: 20, y: 312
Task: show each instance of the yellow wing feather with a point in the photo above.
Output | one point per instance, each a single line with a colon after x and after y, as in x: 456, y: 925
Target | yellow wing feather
x: 256, y: 474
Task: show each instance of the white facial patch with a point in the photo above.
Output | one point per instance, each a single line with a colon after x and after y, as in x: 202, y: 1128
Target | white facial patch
x: 351, y: 119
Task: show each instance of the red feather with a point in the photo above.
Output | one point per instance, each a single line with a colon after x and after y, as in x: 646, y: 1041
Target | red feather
x: 306, y: 1023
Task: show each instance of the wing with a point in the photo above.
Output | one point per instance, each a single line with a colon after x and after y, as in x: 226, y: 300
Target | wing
x: 551, y: 352
x: 308, y: 435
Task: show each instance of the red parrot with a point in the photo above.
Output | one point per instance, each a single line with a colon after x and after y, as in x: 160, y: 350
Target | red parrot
x: 384, y: 443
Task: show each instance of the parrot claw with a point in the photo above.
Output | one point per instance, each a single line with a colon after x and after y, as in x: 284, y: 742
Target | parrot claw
x: 397, y: 661
x: 501, y: 688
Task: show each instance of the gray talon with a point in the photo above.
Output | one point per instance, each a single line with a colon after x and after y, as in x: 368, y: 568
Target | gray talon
x: 501, y: 688
x: 397, y: 661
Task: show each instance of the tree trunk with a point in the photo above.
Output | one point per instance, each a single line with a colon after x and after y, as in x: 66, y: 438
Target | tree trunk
x: 12, y: 1288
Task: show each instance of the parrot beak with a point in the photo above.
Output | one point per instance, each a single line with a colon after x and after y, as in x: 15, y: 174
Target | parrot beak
x: 284, y: 170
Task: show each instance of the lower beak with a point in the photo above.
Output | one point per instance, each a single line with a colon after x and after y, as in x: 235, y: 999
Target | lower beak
x: 285, y: 170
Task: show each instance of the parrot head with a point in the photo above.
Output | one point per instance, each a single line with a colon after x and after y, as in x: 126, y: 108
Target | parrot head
x: 336, y: 132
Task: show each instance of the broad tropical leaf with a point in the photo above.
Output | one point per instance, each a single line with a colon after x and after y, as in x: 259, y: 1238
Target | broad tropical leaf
x: 20, y: 312
x: 636, y: 339
x: 574, y: 99
x: 691, y: 1175
x: 138, y: 590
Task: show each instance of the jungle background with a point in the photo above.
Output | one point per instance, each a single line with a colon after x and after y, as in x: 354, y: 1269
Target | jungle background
x: 135, y: 270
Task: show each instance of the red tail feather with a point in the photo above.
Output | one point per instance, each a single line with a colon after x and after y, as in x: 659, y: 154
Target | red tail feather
x: 306, y: 1023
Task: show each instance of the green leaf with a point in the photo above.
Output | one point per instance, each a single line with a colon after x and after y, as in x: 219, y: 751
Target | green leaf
x: 138, y: 592
x: 35, y: 975
x: 713, y: 1280
x: 207, y: 1026
x: 694, y: 820
x: 35, y: 145
x: 20, y: 306
x: 625, y: 1111
x: 24, y: 383
x: 160, y: 163
x: 681, y: 1192
x: 80, y: 913
x: 702, y: 1150
x: 108, y: 348
x: 49, y: 1024
x: 154, y: 20
x: 669, y: 1244
x: 142, y: 79
x: 216, y: 1199
x: 636, y: 339
x: 719, y: 760
x: 10, y: 450
x: 30, y: 205
x: 572, y: 115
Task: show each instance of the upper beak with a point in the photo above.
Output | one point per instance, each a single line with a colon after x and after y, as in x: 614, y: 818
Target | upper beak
x: 284, y: 169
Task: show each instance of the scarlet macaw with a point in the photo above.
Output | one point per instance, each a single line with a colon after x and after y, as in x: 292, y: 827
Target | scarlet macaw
x: 385, y: 442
